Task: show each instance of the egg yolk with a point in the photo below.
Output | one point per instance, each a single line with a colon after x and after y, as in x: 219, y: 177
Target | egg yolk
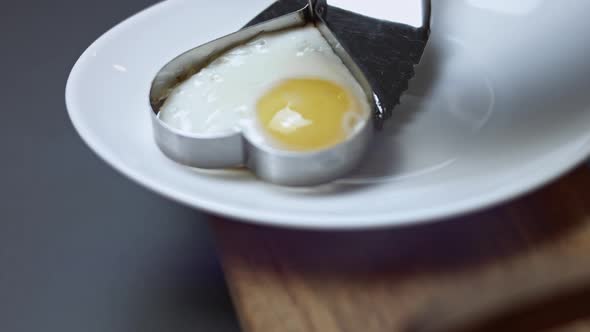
x: 308, y: 114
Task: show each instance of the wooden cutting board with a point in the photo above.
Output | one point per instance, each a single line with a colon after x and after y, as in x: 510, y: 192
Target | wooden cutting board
x: 426, y: 278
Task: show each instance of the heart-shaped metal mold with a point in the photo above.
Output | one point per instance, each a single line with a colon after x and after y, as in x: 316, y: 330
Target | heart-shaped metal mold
x: 379, y: 52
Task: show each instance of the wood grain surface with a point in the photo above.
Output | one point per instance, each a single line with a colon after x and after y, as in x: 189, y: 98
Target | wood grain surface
x: 523, y: 266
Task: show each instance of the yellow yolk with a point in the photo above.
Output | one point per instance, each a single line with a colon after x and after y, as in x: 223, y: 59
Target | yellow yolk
x: 308, y: 114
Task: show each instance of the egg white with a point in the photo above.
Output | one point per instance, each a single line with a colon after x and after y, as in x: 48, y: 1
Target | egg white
x: 222, y: 97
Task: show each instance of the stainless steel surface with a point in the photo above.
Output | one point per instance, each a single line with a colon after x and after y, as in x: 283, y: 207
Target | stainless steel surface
x: 221, y: 151
x: 297, y: 169
x: 372, y: 68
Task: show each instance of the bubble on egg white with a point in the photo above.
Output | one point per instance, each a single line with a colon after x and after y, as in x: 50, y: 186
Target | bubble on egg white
x: 220, y: 61
x: 216, y: 78
x: 259, y: 45
x: 242, y: 110
x: 352, y: 122
x: 239, y: 51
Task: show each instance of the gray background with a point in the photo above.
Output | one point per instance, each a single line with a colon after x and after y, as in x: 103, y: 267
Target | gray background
x: 81, y: 247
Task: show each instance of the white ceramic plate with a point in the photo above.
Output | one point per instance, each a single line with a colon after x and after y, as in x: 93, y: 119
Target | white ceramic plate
x: 500, y: 105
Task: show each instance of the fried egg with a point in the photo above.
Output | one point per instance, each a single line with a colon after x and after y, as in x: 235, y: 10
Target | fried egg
x: 288, y: 90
